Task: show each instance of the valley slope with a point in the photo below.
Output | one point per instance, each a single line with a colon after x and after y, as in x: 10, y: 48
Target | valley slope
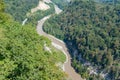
x: 94, y: 30
x: 24, y: 55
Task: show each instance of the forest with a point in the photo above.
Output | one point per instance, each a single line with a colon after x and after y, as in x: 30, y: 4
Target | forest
x: 94, y: 30
x: 34, y: 17
x: 19, y: 8
x: 61, y: 3
x: 22, y: 54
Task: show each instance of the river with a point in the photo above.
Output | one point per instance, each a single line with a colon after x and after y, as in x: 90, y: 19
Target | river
x: 67, y: 64
x: 69, y: 70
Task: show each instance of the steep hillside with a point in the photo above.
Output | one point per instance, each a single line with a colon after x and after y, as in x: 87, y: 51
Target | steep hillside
x: 94, y: 30
x: 19, y: 8
x: 22, y: 52
x: 23, y: 9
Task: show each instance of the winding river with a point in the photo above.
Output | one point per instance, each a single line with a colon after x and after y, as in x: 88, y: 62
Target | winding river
x: 72, y: 75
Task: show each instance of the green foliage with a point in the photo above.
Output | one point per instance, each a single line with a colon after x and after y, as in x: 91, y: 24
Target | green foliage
x: 19, y: 8
x: 95, y: 31
x: 57, y: 56
x: 23, y: 57
x: 80, y: 69
x: 33, y: 18
x: 61, y: 3
x: 1, y: 5
x: 22, y: 54
x: 114, y: 72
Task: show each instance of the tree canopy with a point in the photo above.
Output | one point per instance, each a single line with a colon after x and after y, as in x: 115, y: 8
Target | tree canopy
x: 22, y: 54
x: 94, y: 30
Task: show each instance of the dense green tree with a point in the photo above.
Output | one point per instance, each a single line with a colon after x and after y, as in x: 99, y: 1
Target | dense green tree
x: 93, y: 28
x: 19, y: 8
x: 1, y: 5
x: 22, y: 54
x: 61, y: 3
